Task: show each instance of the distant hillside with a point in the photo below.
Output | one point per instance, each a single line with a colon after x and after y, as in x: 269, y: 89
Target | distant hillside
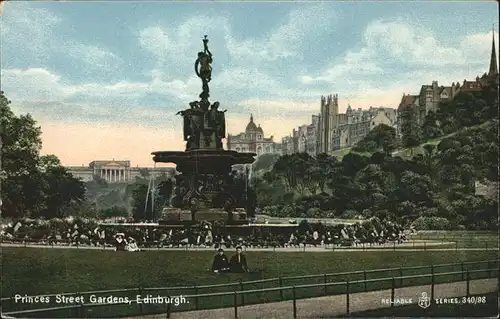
x: 405, y: 152
x: 109, y: 195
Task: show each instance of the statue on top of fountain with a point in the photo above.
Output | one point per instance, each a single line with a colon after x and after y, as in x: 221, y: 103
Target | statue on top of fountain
x: 203, y: 63
x: 204, y: 124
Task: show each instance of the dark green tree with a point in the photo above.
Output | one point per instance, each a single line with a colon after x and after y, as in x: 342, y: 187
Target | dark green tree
x: 410, y: 129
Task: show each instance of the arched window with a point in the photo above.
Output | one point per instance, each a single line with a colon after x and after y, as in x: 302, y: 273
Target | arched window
x: 259, y: 150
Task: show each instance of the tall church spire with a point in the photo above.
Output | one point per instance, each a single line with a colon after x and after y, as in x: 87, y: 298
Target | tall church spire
x: 493, y: 59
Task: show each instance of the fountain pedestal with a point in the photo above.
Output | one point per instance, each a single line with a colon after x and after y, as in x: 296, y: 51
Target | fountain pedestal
x: 204, y: 186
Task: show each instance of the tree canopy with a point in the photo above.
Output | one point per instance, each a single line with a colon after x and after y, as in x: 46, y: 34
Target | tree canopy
x: 437, y: 184
x: 33, y: 184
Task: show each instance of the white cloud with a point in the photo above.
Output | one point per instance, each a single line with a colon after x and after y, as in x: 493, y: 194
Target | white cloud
x: 287, y: 40
x: 168, y: 43
x: 411, y: 44
x: 284, y: 107
x: 409, y: 47
x: 92, y: 55
x: 37, y: 84
x: 23, y: 24
x: 31, y: 33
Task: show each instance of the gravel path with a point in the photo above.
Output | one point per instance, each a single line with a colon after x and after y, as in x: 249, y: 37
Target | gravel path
x: 429, y: 246
x: 330, y: 306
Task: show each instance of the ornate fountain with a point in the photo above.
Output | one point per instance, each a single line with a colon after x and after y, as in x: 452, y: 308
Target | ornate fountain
x: 203, y: 186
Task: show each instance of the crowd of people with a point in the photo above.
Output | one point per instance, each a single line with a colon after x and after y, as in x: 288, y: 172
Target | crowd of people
x: 89, y: 232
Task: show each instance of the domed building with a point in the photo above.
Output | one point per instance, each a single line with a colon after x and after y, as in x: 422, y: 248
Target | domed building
x: 252, y: 140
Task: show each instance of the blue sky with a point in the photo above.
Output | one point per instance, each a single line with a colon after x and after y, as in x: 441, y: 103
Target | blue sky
x: 98, y: 75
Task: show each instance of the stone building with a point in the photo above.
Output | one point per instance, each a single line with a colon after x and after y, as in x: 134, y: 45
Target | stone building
x: 337, y: 131
x: 328, y: 120
x: 115, y: 171
x: 252, y: 140
x: 287, y: 145
x: 359, y: 123
x: 303, y: 139
x: 430, y: 96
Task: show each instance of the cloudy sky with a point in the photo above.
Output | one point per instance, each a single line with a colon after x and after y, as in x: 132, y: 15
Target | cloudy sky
x: 105, y: 79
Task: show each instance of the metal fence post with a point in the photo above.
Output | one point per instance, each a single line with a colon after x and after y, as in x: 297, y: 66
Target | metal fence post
x: 365, y: 280
x: 325, y: 281
x: 393, y: 288
x: 242, y: 294
x: 140, y: 304
x: 393, y: 245
x: 401, y: 276
x: 294, y: 302
x: 463, y: 271
x: 347, y: 297
x: 82, y: 311
x: 235, y: 305
x: 425, y: 246
x: 432, y: 284
x: 196, y: 299
x: 468, y: 283
x: 281, y: 288
x: 456, y: 246
x: 169, y: 308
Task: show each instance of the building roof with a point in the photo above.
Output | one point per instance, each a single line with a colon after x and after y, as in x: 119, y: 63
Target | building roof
x: 251, y: 125
x: 109, y: 162
x: 471, y: 86
x: 493, y: 59
x: 408, y: 99
x: 446, y: 89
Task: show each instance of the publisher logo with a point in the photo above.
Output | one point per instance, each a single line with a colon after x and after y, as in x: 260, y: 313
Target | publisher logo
x: 424, y: 301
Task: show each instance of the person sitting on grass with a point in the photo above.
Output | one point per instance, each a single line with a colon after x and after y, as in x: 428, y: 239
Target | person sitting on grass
x: 220, y: 263
x: 121, y: 242
x: 132, y: 245
x: 239, y: 262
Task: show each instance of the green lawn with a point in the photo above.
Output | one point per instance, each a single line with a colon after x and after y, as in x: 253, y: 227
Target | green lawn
x: 490, y: 309
x: 462, y: 239
x: 45, y: 271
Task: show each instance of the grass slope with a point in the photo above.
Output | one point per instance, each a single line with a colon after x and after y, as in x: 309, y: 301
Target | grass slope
x: 44, y: 271
x: 34, y: 271
x: 406, y: 152
x: 108, y: 195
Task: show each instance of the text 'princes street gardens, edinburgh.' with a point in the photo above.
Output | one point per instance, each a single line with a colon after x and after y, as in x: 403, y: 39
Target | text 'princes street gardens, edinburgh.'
x: 94, y: 299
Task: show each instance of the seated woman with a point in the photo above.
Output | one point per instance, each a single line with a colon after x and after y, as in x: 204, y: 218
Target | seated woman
x: 220, y: 263
x: 121, y: 242
x: 132, y: 245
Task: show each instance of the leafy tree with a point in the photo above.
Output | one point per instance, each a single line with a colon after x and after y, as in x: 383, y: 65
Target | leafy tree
x: 382, y: 137
x: 61, y: 190
x: 115, y: 211
x: 430, y: 128
x: 410, y: 129
x: 265, y: 162
x: 33, y: 185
